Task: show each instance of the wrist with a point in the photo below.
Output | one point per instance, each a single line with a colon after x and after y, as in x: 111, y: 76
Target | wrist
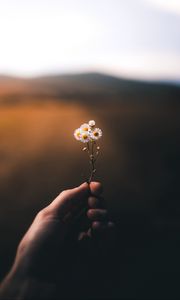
x: 18, y: 285
x: 11, y: 286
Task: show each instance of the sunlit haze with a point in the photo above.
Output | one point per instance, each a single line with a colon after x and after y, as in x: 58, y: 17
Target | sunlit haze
x: 131, y: 38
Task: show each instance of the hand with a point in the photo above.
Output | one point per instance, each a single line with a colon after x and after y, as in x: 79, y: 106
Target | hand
x: 42, y: 254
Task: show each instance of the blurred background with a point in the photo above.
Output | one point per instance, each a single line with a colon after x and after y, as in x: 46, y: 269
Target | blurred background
x: 63, y: 63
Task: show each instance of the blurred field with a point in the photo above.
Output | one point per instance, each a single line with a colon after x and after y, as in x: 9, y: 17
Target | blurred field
x: 138, y: 166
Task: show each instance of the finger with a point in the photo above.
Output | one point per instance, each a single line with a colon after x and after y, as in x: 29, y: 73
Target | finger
x: 102, y: 226
x: 97, y: 214
x: 85, y: 235
x: 94, y: 202
x: 70, y: 200
x: 74, y: 214
x: 96, y: 188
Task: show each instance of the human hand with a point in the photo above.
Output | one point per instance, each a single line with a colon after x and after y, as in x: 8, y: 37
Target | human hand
x: 42, y: 253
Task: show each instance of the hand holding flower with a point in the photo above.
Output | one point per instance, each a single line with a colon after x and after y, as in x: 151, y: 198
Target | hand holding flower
x: 43, y: 252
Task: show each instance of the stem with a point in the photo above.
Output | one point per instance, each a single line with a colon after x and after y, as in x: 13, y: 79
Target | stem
x: 92, y: 162
x: 88, y: 148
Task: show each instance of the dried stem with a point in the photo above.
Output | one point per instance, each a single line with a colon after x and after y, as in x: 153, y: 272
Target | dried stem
x: 93, y: 151
x: 92, y: 161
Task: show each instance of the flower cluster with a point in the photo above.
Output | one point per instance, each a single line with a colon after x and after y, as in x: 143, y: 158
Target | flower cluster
x: 88, y: 133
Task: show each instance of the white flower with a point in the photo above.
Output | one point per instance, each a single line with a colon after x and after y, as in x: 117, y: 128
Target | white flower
x: 85, y: 138
x: 88, y: 133
x: 77, y: 134
x: 92, y: 123
x: 96, y: 134
x: 85, y: 127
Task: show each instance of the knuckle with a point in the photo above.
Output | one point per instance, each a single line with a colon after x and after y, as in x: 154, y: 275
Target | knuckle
x: 64, y: 193
x: 97, y: 214
x: 93, y: 201
x: 44, y: 213
x: 96, y: 225
x: 90, y: 213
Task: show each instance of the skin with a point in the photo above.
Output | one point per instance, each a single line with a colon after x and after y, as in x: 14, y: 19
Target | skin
x: 48, y: 248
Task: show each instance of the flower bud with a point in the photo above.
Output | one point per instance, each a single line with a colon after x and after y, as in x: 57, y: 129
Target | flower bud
x: 92, y: 123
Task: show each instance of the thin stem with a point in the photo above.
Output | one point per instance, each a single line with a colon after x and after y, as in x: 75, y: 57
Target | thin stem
x: 92, y: 162
x: 88, y: 148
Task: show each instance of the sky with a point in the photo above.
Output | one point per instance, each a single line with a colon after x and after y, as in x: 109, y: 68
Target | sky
x: 130, y: 38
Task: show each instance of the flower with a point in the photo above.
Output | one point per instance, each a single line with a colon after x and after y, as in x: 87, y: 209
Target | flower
x: 77, y: 134
x: 85, y: 127
x: 92, y: 123
x: 85, y: 137
x: 96, y: 134
x: 87, y: 133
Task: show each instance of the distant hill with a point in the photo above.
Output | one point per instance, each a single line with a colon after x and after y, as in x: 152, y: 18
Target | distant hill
x: 84, y: 86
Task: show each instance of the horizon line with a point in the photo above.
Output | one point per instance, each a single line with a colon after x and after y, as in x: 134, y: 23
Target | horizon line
x: 85, y: 72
